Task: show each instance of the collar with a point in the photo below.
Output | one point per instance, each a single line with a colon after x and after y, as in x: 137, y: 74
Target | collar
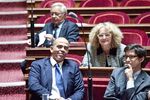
x: 58, y: 26
x: 53, y: 62
x: 113, y: 51
x: 135, y: 75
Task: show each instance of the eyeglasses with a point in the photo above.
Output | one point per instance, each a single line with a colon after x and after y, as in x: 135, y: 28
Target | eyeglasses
x: 131, y: 57
x: 56, y: 14
x: 106, y: 35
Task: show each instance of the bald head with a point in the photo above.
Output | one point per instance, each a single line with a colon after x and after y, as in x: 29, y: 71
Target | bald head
x: 61, y: 40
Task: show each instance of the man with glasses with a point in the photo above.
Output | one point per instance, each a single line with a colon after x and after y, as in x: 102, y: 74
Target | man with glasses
x: 129, y: 82
x: 58, y: 27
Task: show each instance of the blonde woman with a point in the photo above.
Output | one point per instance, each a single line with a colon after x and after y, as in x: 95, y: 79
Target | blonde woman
x: 104, y: 47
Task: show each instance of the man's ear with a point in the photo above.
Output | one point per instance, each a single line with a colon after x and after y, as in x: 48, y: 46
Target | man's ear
x: 51, y: 48
x: 141, y: 59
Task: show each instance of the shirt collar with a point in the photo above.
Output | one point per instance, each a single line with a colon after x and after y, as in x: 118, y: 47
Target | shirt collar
x: 58, y: 26
x: 135, y: 75
x: 53, y: 62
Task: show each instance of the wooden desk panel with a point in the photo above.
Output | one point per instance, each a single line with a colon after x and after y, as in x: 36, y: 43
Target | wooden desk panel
x: 102, y: 72
x: 45, y: 52
x: 40, y: 51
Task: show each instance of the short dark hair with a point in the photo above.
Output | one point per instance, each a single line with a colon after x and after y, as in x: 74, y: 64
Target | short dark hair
x: 138, y: 49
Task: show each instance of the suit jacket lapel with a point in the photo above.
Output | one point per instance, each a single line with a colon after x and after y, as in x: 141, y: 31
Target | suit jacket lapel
x: 140, y: 79
x: 123, y: 82
x: 63, y: 29
x: 65, y: 74
x: 48, y: 73
x: 50, y: 29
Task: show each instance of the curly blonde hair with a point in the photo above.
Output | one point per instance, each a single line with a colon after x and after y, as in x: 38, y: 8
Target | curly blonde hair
x: 113, y: 29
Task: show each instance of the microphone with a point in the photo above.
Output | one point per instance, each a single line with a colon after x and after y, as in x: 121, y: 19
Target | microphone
x: 90, y: 96
x: 32, y: 26
x: 73, y: 15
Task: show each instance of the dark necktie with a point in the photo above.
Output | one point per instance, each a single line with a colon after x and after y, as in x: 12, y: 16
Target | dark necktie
x: 59, y: 81
x: 55, y: 31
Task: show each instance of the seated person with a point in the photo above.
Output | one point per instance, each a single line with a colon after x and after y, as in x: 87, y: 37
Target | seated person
x: 129, y: 82
x: 56, y: 76
x: 58, y: 27
x: 104, y: 47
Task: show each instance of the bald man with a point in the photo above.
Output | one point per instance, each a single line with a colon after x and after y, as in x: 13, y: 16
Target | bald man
x: 43, y: 80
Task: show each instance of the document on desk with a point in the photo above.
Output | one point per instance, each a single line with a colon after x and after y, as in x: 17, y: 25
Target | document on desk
x: 41, y: 38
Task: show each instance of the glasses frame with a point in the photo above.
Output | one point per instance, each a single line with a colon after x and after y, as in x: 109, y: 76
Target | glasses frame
x: 106, y: 35
x: 131, y: 57
x: 56, y: 14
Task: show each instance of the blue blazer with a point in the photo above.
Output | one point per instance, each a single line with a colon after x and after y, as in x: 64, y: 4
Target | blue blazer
x: 116, y: 89
x: 40, y: 79
x: 69, y: 30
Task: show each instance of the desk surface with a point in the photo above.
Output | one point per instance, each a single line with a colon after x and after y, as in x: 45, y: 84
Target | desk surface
x: 41, y: 51
x: 45, y: 52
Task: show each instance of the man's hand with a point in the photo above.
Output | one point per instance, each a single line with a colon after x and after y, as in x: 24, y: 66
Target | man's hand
x: 49, y: 37
x: 129, y: 72
x: 149, y: 95
x: 29, y: 41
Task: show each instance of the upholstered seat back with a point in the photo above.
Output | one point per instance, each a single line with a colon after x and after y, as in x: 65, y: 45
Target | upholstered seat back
x: 143, y: 18
x: 135, y: 3
x: 134, y: 36
x: 98, y: 3
x: 114, y: 17
x: 48, y: 3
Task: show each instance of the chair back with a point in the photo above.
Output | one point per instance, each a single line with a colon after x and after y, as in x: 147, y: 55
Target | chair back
x: 134, y: 36
x: 143, y: 18
x: 47, y: 18
x: 76, y: 58
x: 135, y: 3
x: 98, y: 3
x: 111, y: 16
x: 48, y: 3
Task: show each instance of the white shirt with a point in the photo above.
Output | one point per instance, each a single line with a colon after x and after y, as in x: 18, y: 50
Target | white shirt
x: 130, y: 84
x: 58, y: 30
x: 55, y: 91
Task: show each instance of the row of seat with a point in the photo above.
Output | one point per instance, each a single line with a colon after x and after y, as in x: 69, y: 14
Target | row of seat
x: 112, y: 16
x: 97, y: 3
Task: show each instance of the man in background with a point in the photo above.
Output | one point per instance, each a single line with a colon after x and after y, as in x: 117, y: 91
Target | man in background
x: 58, y: 27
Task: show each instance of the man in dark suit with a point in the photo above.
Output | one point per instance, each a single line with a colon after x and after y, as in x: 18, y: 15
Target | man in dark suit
x: 42, y: 79
x: 59, y: 26
x: 129, y: 82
